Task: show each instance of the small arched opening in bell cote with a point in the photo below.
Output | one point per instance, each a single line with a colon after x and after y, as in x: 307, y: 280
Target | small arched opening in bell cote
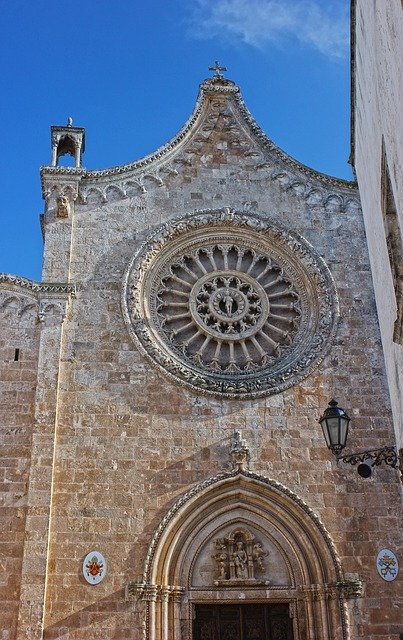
x: 66, y: 147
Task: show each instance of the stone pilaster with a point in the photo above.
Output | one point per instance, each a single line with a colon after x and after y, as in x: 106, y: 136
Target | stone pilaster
x: 34, y: 568
x: 60, y: 194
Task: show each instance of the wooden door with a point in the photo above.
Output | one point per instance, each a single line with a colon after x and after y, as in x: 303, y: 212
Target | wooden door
x: 242, y: 622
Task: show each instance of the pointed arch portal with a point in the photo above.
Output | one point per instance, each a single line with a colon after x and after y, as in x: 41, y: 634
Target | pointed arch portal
x: 241, y: 539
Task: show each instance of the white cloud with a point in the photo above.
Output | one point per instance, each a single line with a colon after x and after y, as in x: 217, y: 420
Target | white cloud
x: 323, y: 25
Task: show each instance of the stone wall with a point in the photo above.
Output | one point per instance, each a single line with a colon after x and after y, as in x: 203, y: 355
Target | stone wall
x: 378, y: 139
x: 128, y: 441
x: 19, y: 342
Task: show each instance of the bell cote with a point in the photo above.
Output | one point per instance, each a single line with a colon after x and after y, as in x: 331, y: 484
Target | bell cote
x: 67, y: 140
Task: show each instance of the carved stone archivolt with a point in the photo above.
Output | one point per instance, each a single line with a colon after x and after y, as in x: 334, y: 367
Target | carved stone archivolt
x: 230, y: 303
x: 241, y: 535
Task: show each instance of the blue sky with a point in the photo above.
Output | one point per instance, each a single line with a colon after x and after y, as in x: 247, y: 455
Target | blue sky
x: 128, y: 71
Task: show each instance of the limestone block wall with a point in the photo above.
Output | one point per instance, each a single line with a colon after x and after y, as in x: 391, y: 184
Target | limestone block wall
x: 378, y: 140
x: 19, y: 341
x: 123, y: 441
x: 129, y: 441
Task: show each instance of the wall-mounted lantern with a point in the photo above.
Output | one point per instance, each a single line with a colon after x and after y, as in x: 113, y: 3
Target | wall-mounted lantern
x: 335, y: 423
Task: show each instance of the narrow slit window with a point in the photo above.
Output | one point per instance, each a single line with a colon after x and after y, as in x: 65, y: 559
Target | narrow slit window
x: 16, y: 355
x: 394, y: 245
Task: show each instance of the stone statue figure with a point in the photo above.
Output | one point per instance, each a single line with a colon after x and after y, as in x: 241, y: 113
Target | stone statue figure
x: 222, y: 565
x: 241, y: 561
x: 63, y: 207
x: 221, y: 558
x: 258, y: 553
x: 239, y: 555
x: 229, y: 302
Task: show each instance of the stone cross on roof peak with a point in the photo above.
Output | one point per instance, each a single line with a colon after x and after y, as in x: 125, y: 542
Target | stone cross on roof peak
x: 217, y: 69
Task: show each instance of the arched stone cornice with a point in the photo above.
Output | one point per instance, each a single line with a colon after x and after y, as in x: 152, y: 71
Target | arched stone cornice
x: 158, y: 168
x: 10, y: 281
x: 43, y: 299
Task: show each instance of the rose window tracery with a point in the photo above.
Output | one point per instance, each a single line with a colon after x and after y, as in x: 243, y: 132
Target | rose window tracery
x: 230, y: 304
x: 228, y: 308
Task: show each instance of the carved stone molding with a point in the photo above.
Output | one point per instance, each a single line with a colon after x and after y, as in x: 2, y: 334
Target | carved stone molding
x: 350, y: 589
x: 153, y: 592
x: 34, y: 301
x: 52, y: 311
x: 228, y: 90
x: 230, y: 476
x: 230, y: 303
x: 18, y: 307
x: 142, y: 183
x: 9, y: 280
x: 346, y: 589
x: 60, y: 195
x: 64, y: 186
x: 316, y: 592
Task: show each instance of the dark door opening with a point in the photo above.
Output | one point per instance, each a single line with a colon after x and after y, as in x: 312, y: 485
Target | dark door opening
x: 242, y: 622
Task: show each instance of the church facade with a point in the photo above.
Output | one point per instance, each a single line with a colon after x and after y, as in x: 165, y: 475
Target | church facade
x: 167, y: 477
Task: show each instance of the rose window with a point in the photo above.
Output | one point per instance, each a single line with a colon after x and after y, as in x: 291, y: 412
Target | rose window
x: 228, y: 308
x: 230, y: 304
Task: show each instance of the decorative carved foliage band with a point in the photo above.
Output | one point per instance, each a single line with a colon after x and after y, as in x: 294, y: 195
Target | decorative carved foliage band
x: 230, y: 303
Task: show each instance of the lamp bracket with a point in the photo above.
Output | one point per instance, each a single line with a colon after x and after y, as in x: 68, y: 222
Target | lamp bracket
x: 387, y: 455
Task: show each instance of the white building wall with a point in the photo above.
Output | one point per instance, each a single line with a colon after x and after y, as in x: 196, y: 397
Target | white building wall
x: 378, y: 133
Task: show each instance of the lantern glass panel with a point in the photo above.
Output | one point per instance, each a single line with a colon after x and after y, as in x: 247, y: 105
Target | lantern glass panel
x: 333, y: 427
x: 323, y: 424
x: 343, y: 431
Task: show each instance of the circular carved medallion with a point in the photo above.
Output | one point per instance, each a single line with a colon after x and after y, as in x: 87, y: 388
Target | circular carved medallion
x: 387, y: 565
x: 94, y: 567
x: 230, y: 303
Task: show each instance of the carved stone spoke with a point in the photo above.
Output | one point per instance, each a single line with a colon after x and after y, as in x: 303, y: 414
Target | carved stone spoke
x: 229, y: 303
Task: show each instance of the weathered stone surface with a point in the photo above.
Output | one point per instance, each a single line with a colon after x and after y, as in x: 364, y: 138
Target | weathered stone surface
x: 378, y: 162
x: 118, y: 446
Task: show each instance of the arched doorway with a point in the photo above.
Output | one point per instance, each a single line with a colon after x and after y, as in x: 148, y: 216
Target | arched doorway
x: 236, y: 540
